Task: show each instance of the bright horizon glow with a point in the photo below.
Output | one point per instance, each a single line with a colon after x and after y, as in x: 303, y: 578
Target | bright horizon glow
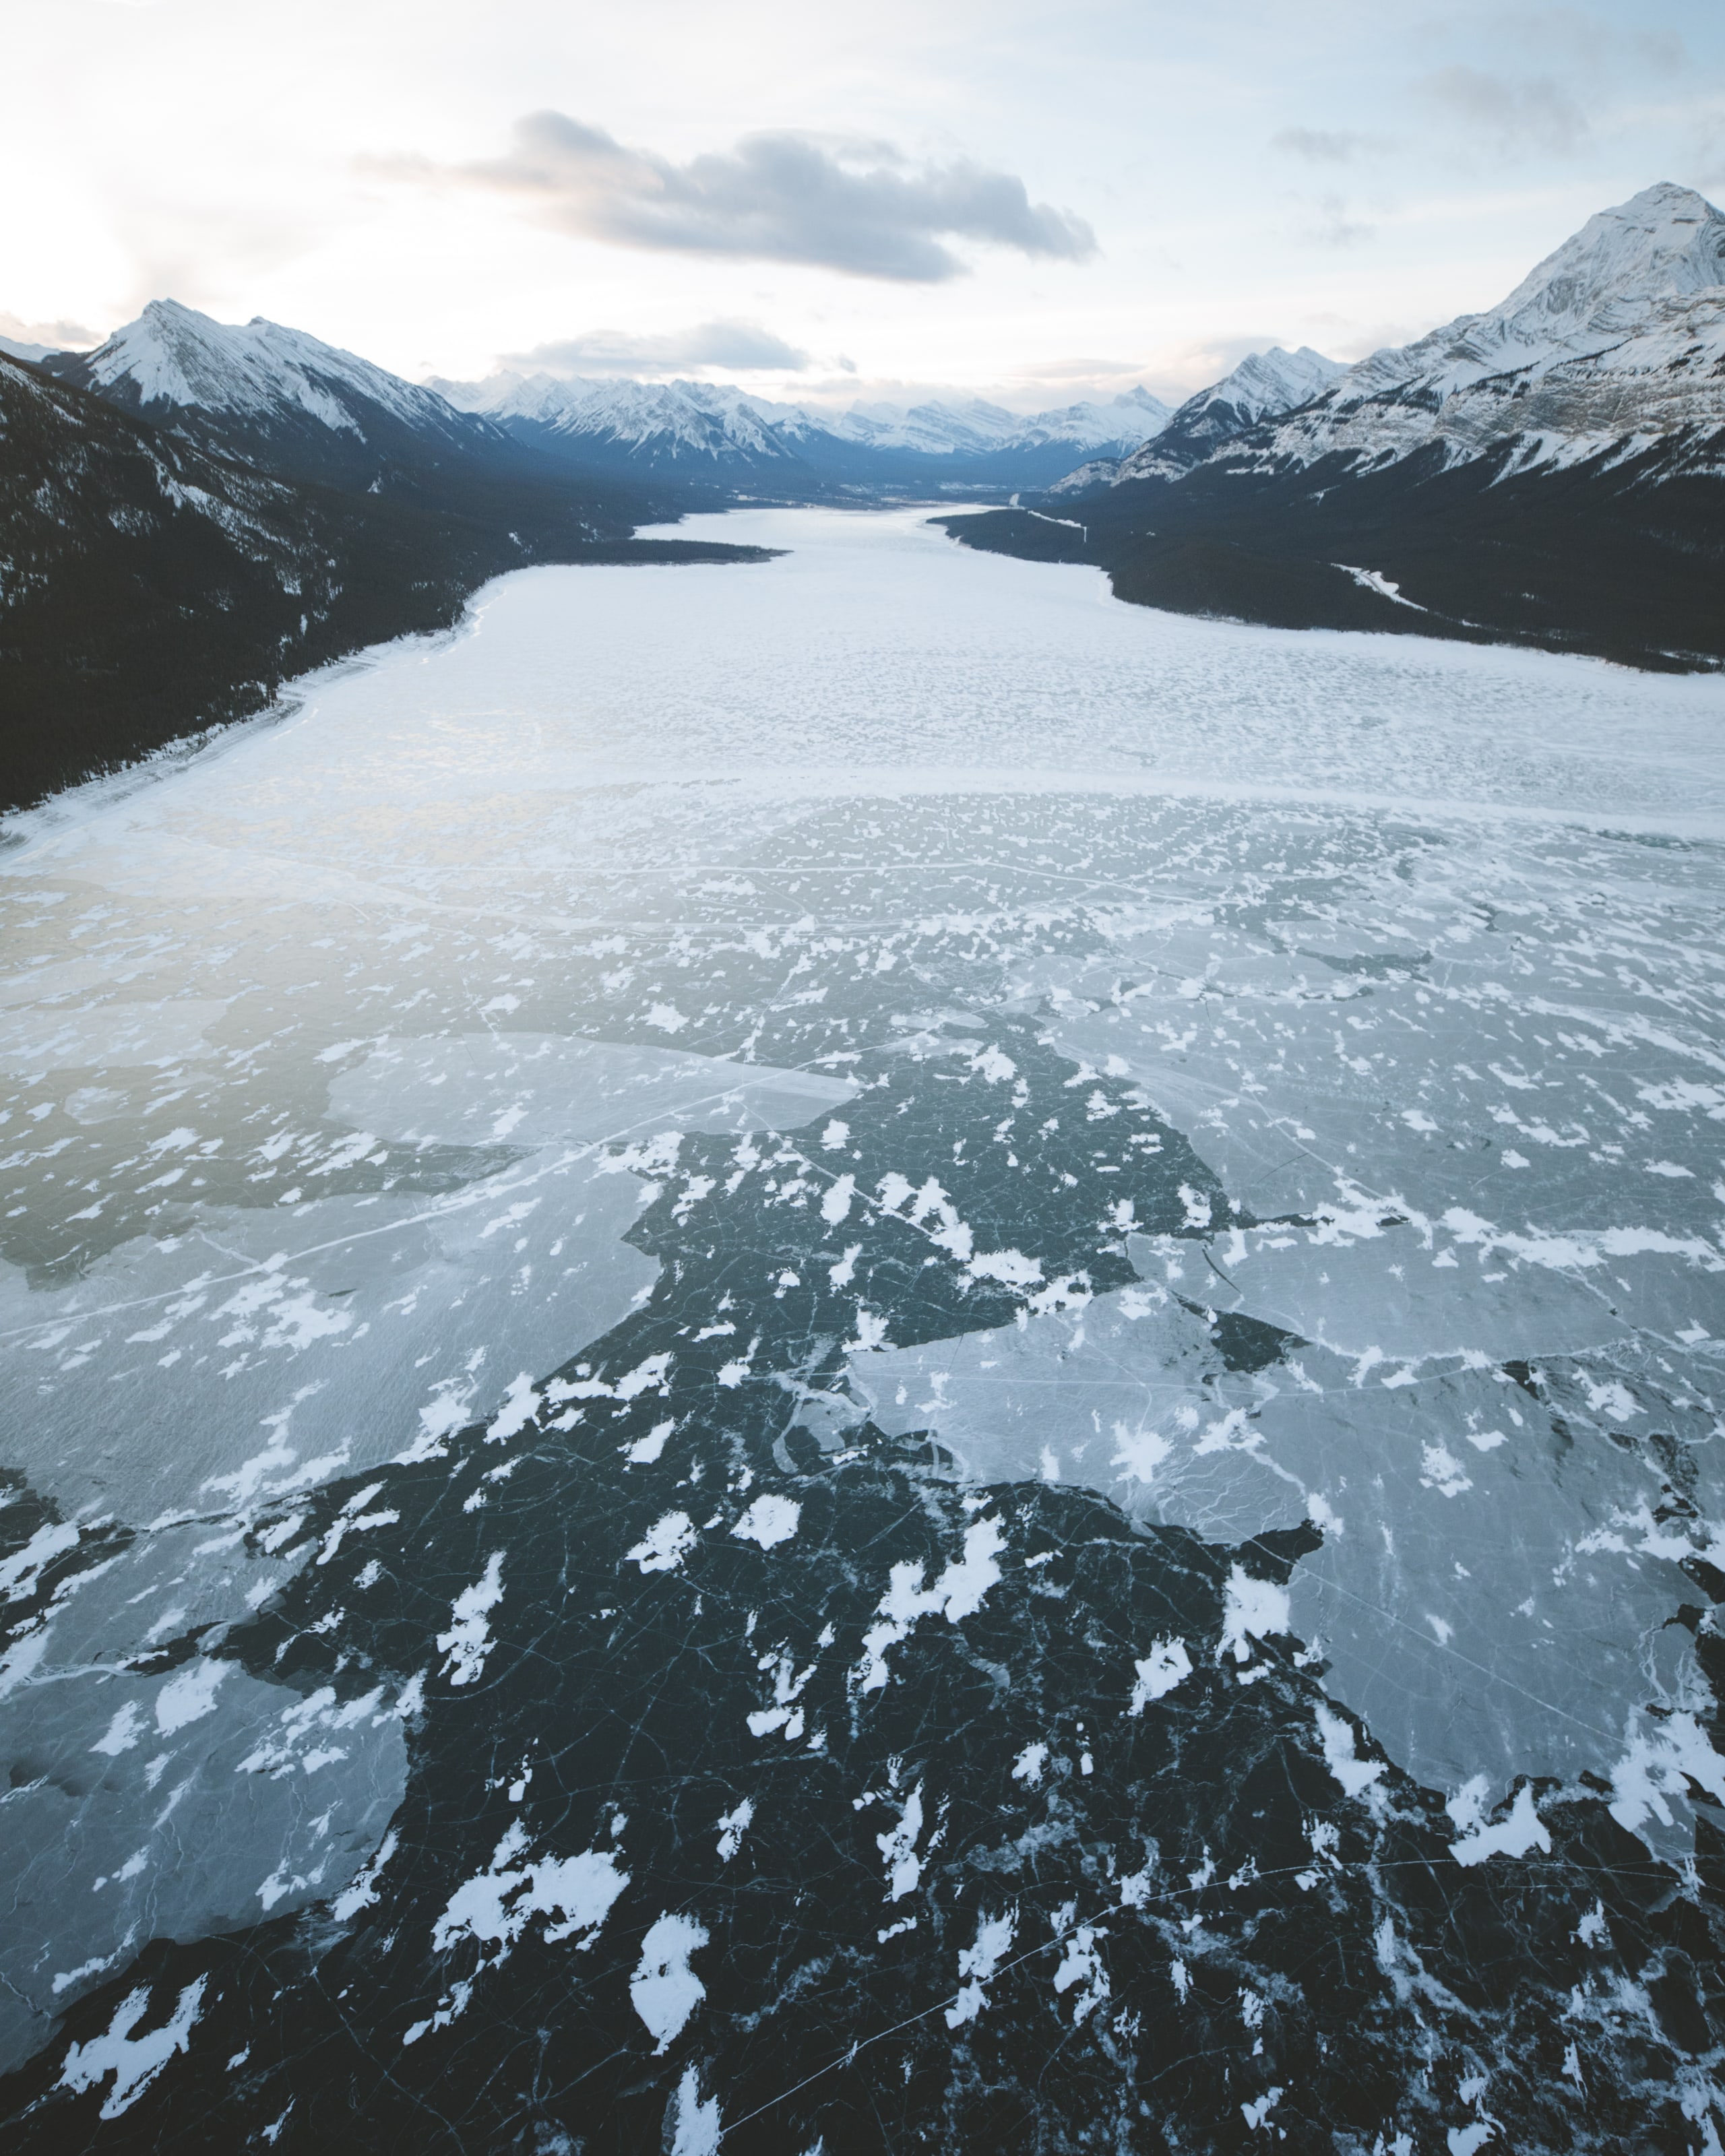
x: 1339, y: 178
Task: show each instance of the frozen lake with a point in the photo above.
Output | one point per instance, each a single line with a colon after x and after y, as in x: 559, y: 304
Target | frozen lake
x: 763, y: 1299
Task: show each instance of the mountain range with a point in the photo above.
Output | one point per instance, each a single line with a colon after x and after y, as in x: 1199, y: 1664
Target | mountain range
x: 693, y: 429
x: 193, y: 512
x: 308, y: 410
x: 1263, y: 384
x: 1551, y: 469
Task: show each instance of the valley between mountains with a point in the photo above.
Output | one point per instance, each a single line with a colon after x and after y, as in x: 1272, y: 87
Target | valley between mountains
x: 193, y: 515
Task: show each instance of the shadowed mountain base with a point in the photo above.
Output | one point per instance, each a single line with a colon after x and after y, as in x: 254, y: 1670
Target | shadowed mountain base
x: 1616, y: 563
x: 150, y: 588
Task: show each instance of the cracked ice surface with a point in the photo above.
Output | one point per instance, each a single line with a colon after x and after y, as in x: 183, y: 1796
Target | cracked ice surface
x: 775, y: 1299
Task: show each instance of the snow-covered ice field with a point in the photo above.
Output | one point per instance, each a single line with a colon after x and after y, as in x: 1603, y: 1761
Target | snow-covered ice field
x: 888, y: 1036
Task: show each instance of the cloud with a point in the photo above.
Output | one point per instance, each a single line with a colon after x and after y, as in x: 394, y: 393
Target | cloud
x: 1661, y: 51
x: 1085, y: 369
x: 856, y: 207
x: 29, y: 339
x: 740, y: 347
x: 1332, y: 226
x: 1318, y: 145
x: 1536, y: 112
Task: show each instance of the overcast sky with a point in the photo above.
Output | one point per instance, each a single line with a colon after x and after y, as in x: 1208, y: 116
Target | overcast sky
x: 1034, y: 203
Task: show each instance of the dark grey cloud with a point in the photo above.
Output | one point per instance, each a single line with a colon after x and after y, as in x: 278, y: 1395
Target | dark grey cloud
x: 784, y: 198
x: 1532, y: 112
x: 740, y: 347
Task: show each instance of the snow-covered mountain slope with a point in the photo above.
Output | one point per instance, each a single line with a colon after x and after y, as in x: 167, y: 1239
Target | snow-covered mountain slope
x: 678, y: 422
x: 721, y: 431
x: 1263, y: 384
x: 983, y: 429
x: 1551, y: 470
x: 974, y: 429
x: 1666, y: 244
x: 1614, y: 344
x: 277, y: 397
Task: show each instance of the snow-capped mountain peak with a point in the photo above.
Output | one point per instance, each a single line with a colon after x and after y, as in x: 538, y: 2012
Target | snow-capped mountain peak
x: 1132, y: 418
x: 1273, y: 381
x: 174, y: 355
x: 278, y: 397
x: 1264, y: 383
x: 1666, y: 242
x: 707, y: 426
x: 683, y: 420
x: 1615, y: 342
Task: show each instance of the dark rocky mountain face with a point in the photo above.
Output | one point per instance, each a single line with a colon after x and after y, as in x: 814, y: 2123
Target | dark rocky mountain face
x: 151, y: 586
x: 1610, y: 558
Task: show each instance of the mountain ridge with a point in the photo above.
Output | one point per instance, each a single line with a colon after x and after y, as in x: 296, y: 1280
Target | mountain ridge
x: 1550, y: 470
x: 1615, y: 337
x: 1263, y: 383
x: 194, y: 511
x: 654, y: 426
x: 154, y: 585
x: 285, y: 401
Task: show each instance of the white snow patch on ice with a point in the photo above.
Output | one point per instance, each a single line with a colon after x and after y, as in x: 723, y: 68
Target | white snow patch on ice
x: 571, y: 1895
x: 1355, y: 1775
x: 1514, y: 1836
x: 665, y: 1544
x: 1030, y: 1763
x: 898, y: 1849
x: 769, y: 1521
x: 1251, y: 1609
x: 664, y: 1991
x: 978, y: 1963
x: 957, y: 1592
x: 692, y: 2127
x: 134, y: 2062
x: 732, y: 1826
x: 1658, y: 1763
x: 190, y: 1696
x: 469, y: 1641
x: 1168, y: 1664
